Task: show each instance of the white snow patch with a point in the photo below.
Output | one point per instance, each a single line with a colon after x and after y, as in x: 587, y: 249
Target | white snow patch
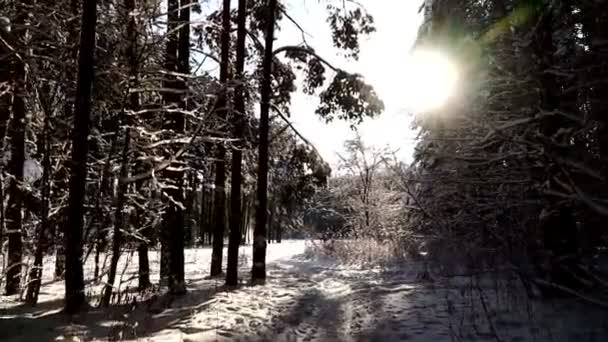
x: 307, y: 299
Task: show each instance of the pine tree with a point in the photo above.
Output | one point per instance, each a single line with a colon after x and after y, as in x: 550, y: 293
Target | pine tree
x: 237, y: 153
x: 219, y: 210
x: 258, y: 270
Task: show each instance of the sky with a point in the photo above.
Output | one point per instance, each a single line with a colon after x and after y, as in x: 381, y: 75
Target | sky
x: 381, y: 62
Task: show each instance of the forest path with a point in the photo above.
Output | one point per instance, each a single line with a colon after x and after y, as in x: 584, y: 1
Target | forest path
x: 308, y: 298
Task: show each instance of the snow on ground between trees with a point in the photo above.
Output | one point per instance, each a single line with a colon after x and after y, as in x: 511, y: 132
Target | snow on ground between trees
x: 307, y: 298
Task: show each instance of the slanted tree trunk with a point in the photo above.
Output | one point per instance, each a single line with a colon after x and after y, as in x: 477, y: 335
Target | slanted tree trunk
x: 17, y: 136
x: 119, y: 219
x: 220, y: 170
x: 98, y: 217
x: 133, y: 105
x: 74, y: 277
x: 236, y: 216
x: 258, y: 270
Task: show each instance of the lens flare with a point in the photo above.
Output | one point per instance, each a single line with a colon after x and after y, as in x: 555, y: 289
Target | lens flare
x: 431, y: 79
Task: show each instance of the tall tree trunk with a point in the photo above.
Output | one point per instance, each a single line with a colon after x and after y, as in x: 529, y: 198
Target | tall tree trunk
x: 5, y: 96
x: 60, y: 222
x: 74, y: 277
x: 35, y: 276
x: 17, y: 136
x: 173, y: 226
x: 170, y: 218
x: 183, y: 67
x: 598, y: 37
x: 258, y: 270
x: 177, y: 284
x: 220, y: 170
x: 5, y: 107
x: 236, y: 216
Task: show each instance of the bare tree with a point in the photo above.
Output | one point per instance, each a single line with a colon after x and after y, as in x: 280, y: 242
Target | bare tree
x: 363, y: 164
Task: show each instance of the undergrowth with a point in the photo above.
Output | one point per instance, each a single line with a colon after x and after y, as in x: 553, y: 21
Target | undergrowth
x: 361, y: 252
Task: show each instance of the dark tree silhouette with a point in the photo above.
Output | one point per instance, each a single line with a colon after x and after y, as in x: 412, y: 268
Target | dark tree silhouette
x: 16, y: 132
x: 74, y: 278
x: 219, y: 212
x: 258, y: 270
x: 237, y: 153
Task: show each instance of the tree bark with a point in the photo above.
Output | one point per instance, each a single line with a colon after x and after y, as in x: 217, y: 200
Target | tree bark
x: 5, y: 98
x: 171, y: 216
x: 74, y: 277
x: 172, y: 248
x: 35, y: 276
x: 119, y: 219
x: 203, y: 213
x: 220, y: 170
x: 60, y: 178
x: 236, y: 216
x: 17, y: 136
x: 258, y: 270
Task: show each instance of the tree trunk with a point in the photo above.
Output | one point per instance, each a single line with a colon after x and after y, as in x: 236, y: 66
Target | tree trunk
x: 270, y: 225
x: 74, y: 277
x: 60, y: 179
x: 203, y: 214
x: 17, y: 136
x: 35, y: 276
x: 172, y: 243
x: 236, y: 215
x: 59, y: 252
x: 220, y: 171
x: 177, y: 284
x: 188, y: 234
x: 5, y: 107
x: 258, y: 271
x: 170, y: 217
x: 119, y: 219
x: 98, y: 217
x: 5, y: 98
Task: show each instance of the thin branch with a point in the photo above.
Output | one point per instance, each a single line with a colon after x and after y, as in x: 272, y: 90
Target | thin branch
x: 306, y: 50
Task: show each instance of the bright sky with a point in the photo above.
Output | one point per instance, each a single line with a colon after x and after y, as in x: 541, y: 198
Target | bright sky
x: 382, y: 63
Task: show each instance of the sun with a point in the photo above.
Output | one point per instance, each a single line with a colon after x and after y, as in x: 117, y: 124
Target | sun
x: 430, y: 78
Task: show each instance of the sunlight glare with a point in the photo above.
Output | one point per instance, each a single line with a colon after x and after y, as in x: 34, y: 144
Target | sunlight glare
x: 431, y: 80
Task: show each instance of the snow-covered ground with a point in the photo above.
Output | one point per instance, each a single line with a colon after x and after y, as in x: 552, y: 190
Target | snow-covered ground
x: 307, y: 298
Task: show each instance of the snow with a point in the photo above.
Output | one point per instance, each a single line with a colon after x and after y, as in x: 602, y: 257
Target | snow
x: 307, y: 298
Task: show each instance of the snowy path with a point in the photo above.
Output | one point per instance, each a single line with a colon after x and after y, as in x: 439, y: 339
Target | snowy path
x: 310, y: 300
